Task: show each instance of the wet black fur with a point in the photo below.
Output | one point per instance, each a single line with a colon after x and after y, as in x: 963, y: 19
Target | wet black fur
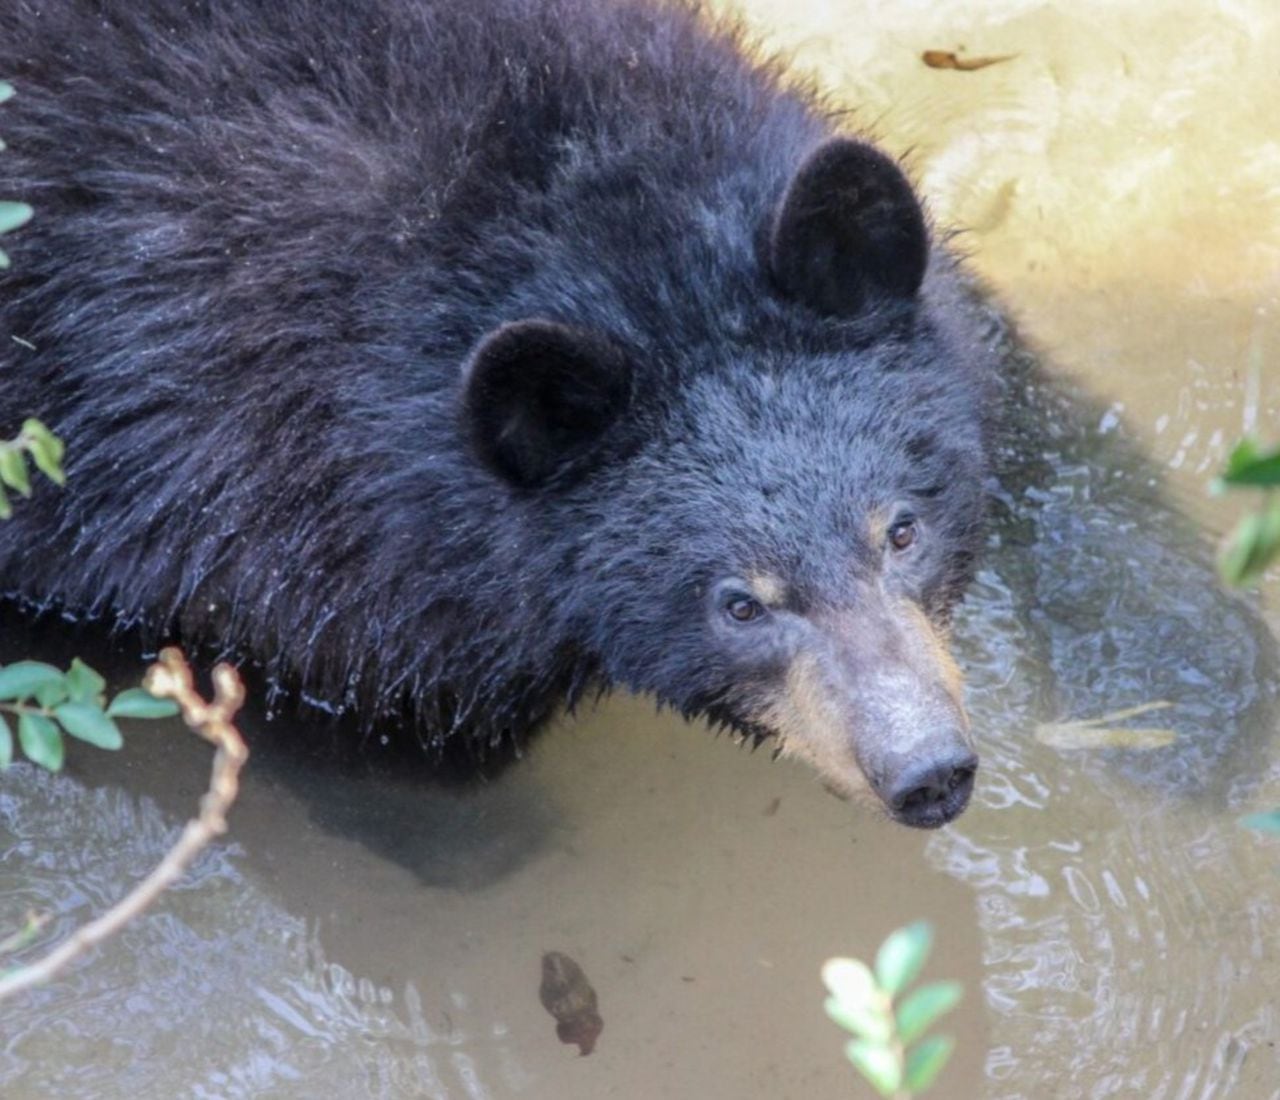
x: 270, y: 238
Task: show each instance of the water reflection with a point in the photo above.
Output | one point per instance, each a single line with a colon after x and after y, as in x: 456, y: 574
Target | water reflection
x: 683, y: 876
x: 371, y: 935
x: 1127, y: 919
x: 220, y: 994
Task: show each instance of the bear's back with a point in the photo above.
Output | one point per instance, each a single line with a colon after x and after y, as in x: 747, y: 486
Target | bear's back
x: 267, y: 238
x: 302, y: 154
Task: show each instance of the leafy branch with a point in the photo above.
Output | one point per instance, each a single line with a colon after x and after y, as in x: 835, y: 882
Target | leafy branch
x: 890, y: 1050
x: 1255, y: 543
x: 43, y: 447
x: 168, y: 681
x: 12, y: 214
x: 48, y: 702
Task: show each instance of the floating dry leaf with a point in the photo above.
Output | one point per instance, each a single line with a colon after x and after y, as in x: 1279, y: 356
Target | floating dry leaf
x: 949, y: 59
x: 568, y: 996
x: 1069, y: 735
x: 1102, y: 733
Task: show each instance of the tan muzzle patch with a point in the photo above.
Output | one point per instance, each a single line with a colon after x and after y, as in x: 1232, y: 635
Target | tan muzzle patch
x: 872, y: 685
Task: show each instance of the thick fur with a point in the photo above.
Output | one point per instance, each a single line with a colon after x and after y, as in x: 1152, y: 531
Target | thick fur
x: 271, y: 236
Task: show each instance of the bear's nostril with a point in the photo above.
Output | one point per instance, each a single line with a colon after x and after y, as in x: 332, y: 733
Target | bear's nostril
x: 961, y: 777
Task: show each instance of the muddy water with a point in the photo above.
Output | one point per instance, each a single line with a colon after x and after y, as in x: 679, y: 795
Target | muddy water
x: 367, y: 934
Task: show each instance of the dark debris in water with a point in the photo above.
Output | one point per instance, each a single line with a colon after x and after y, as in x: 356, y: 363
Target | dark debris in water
x: 949, y: 59
x: 568, y: 996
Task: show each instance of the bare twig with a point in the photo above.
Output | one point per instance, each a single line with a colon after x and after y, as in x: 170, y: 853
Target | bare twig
x: 169, y: 678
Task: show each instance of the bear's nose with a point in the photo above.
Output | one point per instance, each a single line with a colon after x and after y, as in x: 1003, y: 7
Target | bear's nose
x: 934, y: 792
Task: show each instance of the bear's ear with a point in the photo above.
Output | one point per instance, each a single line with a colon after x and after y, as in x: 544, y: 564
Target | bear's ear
x: 849, y: 229
x: 538, y: 398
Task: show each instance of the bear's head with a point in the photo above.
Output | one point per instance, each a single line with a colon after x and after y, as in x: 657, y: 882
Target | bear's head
x: 772, y: 534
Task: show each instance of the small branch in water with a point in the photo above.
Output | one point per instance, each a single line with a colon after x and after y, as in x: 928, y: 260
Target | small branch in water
x: 169, y: 678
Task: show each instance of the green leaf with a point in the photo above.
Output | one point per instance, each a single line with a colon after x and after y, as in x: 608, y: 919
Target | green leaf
x: 921, y: 1008
x: 51, y: 694
x: 89, y: 723
x: 1235, y: 560
x: 13, y: 215
x: 925, y: 1062
x: 41, y: 740
x: 138, y: 703
x: 877, y: 1064
x: 46, y: 450
x: 1251, y: 547
x: 1243, y: 455
x: 6, y: 90
x: 13, y: 470
x: 6, y: 743
x: 1268, y: 822
x: 36, y: 431
x: 83, y: 684
x: 902, y: 955
x: 45, y: 458
x: 6, y: 509
x: 867, y: 1020
x: 22, y: 679
x: 1248, y: 465
x: 848, y: 980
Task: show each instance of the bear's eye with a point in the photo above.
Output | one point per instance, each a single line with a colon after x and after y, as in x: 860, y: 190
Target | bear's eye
x: 743, y: 609
x: 902, y: 535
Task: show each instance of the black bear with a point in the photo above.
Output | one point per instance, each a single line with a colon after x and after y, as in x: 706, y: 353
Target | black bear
x: 453, y: 360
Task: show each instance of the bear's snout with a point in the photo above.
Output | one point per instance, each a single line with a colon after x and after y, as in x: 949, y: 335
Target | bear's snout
x: 872, y: 700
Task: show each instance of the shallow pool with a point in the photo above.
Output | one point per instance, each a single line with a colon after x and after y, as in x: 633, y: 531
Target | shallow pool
x: 365, y: 933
